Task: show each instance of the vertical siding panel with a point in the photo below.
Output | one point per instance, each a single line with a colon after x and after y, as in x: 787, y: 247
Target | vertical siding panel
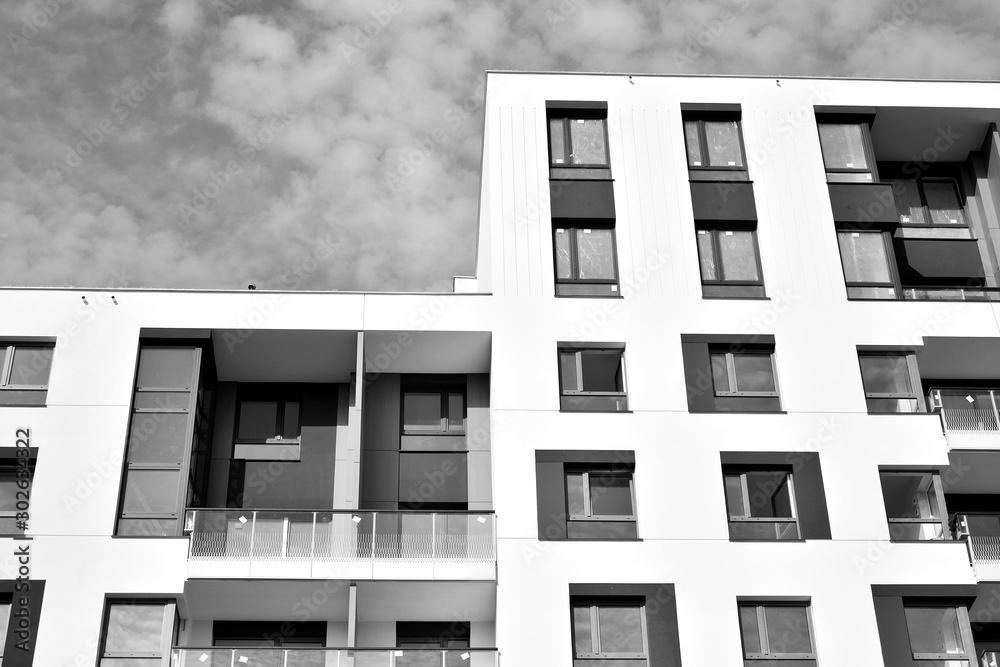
x: 520, y: 217
x: 657, y: 212
x: 539, y: 215
x: 684, y: 281
x: 628, y: 227
x: 508, y: 173
x: 647, y: 219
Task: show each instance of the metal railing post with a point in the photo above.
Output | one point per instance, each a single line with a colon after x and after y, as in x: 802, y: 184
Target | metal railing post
x: 993, y: 402
x: 232, y: 658
x: 253, y: 528
x: 285, y: 527
x: 312, y: 541
x: 433, y: 537
x: 374, y: 525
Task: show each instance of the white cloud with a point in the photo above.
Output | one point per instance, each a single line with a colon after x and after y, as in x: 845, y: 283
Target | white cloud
x: 183, y: 19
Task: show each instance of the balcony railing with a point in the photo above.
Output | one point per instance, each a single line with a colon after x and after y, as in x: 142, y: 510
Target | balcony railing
x: 981, y: 532
x: 333, y: 657
x: 951, y: 293
x: 989, y: 659
x: 341, y: 538
x: 970, y: 417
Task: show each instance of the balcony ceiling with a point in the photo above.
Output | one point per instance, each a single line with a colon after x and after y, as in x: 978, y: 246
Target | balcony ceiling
x: 430, y: 600
x: 428, y: 351
x: 265, y: 600
x: 959, y: 358
x: 285, y: 356
x: 902, y: 134
x: 972, y: 472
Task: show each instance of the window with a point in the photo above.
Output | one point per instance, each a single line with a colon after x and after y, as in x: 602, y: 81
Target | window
x: 609, y: 633
x: 432, y: 412
x: 914, y: 505
x: 24, y: 373
x: 867, y: 265
x: 268, y: 634
x: 730, y: 263
x: 928, y: 201
x: 847, y: 152
x: 761, y: 505
x: 714, y: 146
x: 433, y: 634
x: 776, y: 631
x: 578, y: 143
x: 749, y: 373
x: 4, y: 621
x: 268, y: 425
x: 136, y: 633
x: 15, y: 492
x: 592, y: 379
x: 600, y: 503
x: 891, y: 381
x: 940, y: 635
x: 586, y: 260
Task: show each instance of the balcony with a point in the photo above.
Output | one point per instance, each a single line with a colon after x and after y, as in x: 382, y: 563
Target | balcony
x: 290, y: 544
x: 333, y: 657
x: 990, y: 659
x: 951, y: 293
x: 981, y: 532
x: 969, y: 417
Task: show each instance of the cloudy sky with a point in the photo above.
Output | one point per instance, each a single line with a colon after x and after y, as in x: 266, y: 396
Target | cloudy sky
x: 216, y: 143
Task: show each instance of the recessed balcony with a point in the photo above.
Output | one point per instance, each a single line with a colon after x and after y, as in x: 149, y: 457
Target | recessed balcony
x: 290, y: 544
x: 333, y: 657
x: 969, y: 417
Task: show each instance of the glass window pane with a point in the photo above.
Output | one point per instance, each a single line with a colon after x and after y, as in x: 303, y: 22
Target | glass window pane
x: 595, y: 254
x: 610, y: 495
x: 720, y: 372
x: 706, y: 255
x: 734, y: 495
x: 134, y: 628
x: 147, y: 527
x: 587, y: 137
x: 769, y: 495
x: 8, y: 493
x: 886, y: 374
x: 621, y: 629
x: 157, y: 437
x: 738, y: 256
x: 422, y: 411
x: 787, y: 630
x: 290, y: 426
x: 908, y: 206
x: 693, y: 143
x: 911, y: 496
x: 602, y: 370
x: 567, y: 371
x: 564, y: 263
x: 750, y: 629
x: 30, y: 366
x: 134, y: 662
x: 258, y: 420
x: 753, y: 372
x: 4, y: 619
x: 582, y: 637
x: 723, y: 139
x: 165, y: 367
x: 151, y: 491
x: 935, y: 630
x: 843, y: 146
x: 456, y: 412
x: 557, y: 142
x: 943, y: 203
x: 864, y: 258
x: 575, y: 502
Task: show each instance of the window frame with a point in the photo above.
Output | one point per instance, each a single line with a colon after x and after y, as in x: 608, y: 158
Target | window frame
x: 588, y: 501
x: 913, y: 374
x: 721, y: 284
x: 890, y: 259
x: 845, y: 174
x: 965, y: 631
x: 572, y: 229
x: 7, y: 366
x: 19, y: 473
x: 707, y: 171
x: 759, y: 607
x: 578, y: 351
x: 919, y: 182
x: 730, y: 357
x: 591, y: 171
x: 594, y: 606
x: 909, y: 521
x: 168, y: 629
x: 444, y: 393
x: 746, y: 495
x: 251, y: 394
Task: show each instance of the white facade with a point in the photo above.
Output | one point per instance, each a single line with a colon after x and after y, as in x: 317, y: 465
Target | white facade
x: 508, y: 323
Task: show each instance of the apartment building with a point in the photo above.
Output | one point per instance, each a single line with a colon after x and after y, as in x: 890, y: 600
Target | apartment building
x: 723, y: 391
